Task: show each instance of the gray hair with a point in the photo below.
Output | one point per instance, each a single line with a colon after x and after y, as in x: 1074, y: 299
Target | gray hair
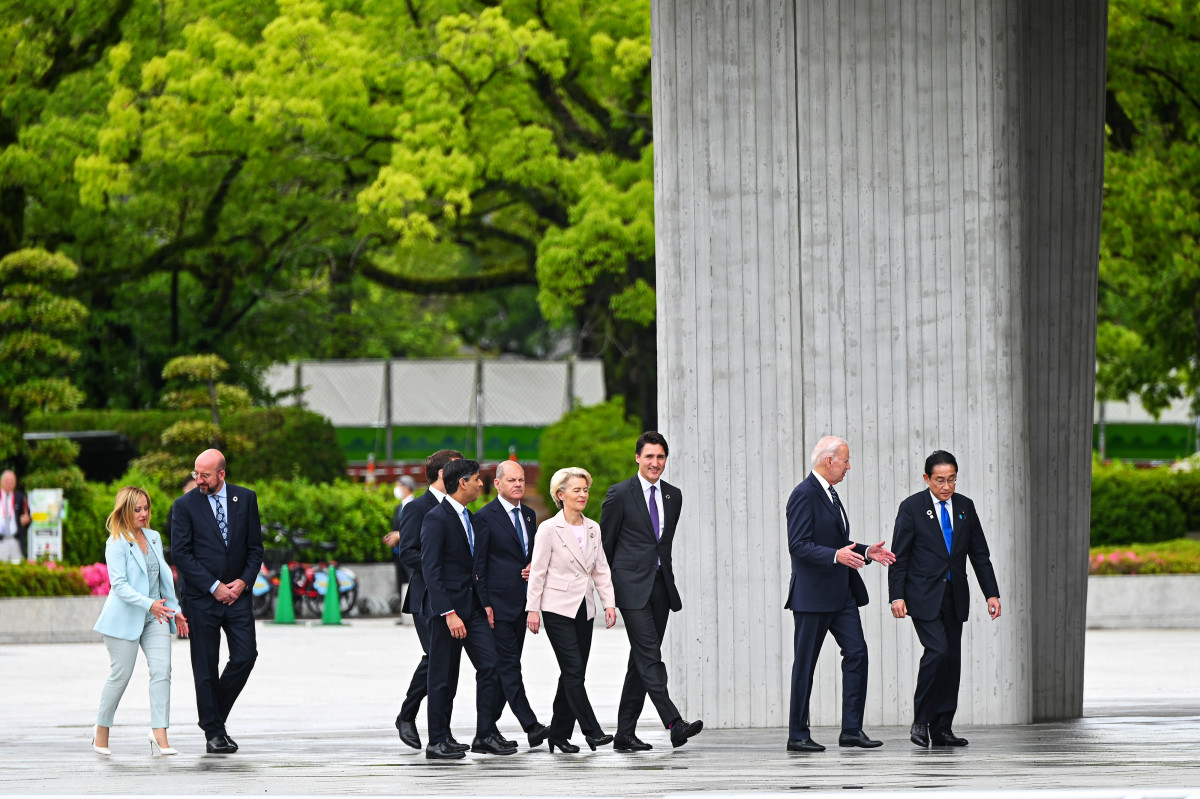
x: 827, y: 447
x: 562, y: 476
x: 408, y: 482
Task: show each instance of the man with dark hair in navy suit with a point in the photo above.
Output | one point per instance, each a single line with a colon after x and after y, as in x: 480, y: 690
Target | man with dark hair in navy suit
x: 936, y: 531
x: 825, y: 594
x: 511, y: 527
x: 216, y: 540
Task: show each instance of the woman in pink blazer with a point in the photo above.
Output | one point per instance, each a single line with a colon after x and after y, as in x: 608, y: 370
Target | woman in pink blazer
x: 567, y: 560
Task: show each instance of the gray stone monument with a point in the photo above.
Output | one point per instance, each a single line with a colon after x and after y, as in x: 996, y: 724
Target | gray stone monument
x: 879, y: 220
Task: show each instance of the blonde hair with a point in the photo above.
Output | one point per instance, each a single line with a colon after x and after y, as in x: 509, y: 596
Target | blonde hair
x: 120, y: 523
x: 562, y: 476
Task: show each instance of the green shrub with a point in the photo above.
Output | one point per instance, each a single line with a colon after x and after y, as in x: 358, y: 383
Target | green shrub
x: 598, y: 438
x: 1179, y: 556
x: 1133, y: 506
x: 288, y: 443
x: 36, y: 579
x: 1184, y: 488
x: 84, y: 535
x: 353, y: 515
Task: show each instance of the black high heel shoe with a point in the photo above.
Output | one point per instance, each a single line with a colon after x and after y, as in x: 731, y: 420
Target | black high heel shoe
x: 563, y: 744
x: 599, y: 740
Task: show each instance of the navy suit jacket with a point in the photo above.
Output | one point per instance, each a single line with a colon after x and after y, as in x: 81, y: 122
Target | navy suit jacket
x: 505, y: 558
x: 819, y: 584
x: 630, y: 545
x: 919, y: 574
x: 410, y: 550
x: 454, y: 577
x: 198, y: 551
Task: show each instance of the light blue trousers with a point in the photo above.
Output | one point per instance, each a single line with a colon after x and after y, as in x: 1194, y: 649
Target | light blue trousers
x: 156, y: 643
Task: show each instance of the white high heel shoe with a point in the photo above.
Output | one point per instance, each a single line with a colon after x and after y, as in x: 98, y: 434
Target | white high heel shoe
x: 158, y: 749
x: 100, y: 750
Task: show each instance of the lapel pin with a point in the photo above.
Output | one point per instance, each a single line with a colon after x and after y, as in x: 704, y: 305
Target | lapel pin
x: 668, y: 496
x: 929, y: 513
x: 234, y: 498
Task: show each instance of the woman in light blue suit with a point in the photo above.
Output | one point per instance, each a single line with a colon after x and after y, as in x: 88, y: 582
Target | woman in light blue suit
x: 141, y: 610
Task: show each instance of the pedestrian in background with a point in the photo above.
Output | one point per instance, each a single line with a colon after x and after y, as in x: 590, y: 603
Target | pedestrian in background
x: 14, y: 518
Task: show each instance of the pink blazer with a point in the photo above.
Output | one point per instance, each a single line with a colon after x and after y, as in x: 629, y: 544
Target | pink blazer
x: 561, y: 576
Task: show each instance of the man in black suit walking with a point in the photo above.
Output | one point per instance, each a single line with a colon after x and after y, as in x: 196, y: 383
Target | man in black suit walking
x: 637, y: 525
x: 216, y: 540
x: 414, y: 599
x: 825, y: 594
x: 453, y: 554
x: 511, y: 527
x: 936, y: 531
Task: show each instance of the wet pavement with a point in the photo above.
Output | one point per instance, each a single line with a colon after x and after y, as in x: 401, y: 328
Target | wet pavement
x: 316, y: 720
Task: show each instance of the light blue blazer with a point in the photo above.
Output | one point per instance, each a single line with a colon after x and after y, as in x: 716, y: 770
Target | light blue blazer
x: 124, y: 612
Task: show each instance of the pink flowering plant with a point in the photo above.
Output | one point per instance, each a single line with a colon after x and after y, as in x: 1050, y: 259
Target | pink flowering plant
x: 96, y: 576
x: 1180, y: 556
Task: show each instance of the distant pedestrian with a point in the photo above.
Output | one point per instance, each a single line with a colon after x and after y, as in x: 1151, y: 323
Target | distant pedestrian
x: 14, y: 518
x: 403, y: 492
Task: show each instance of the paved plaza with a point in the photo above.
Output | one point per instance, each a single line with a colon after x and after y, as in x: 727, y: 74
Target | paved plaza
x: 316, y: 719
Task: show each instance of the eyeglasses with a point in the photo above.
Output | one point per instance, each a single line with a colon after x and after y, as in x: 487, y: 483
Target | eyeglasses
x: 942, y: 481
x: 198, y: 475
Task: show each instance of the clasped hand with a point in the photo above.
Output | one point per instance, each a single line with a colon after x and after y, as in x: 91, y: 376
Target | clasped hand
x: 228, y: 593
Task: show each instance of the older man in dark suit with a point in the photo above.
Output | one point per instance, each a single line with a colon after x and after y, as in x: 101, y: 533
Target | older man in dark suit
x: 216, y: 540
x: 511, y: 527
x: 936, y: 532
x: 637, y: 525
x: 453, y: 552
x: 825, y: 594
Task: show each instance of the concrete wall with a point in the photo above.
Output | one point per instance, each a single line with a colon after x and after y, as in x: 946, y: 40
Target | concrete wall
x: 874, y: 221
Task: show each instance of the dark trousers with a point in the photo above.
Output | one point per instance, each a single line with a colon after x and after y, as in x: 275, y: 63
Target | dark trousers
x: 936, y: 698
x: 418, y: 687
x: 646, y: 674
x: 810, y: 634
x: 571, y: 639
x: 445, y: 652
x: 509, y: 638
x: 215, y: 694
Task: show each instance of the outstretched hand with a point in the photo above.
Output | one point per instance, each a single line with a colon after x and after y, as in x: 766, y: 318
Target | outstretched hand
x: 881, y: 554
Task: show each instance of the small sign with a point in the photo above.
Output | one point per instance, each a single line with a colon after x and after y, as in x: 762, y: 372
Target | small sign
x: 46, y: 510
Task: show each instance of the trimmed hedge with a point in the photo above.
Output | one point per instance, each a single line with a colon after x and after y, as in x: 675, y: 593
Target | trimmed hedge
x: 36, y: 579
x: 598, y: 438
x: 1134, y: 506
x: 289, y: 443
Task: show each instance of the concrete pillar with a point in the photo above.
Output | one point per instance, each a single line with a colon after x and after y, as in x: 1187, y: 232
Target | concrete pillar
x: 878, y: 220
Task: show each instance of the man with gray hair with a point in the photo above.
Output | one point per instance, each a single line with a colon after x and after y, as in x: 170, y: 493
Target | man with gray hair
x: 403, y: 491
x: 825, y: 594
x: 14, y: 518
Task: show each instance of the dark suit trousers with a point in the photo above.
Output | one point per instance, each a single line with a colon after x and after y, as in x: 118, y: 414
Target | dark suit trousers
x: 215, y: 694
x: 810, y: 634
x: 936, y: 698
x: 646, y: 673
x: 509, y: 637
x: 445, y: 652
x: 571, y: 640
x: 418, y: 687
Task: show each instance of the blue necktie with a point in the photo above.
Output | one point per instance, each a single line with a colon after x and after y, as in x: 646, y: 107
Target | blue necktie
x: 520, y: 530
x: 470, y: 532
x: 221, y: 522
x: 837, y: 504
x: 947, y: 530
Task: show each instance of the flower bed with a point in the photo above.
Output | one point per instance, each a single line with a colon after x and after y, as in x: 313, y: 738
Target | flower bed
x: 1179, y: 556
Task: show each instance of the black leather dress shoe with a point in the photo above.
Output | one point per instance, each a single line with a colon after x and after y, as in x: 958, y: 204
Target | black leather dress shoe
x: 602, y: 739
x: 456, y: 746
x: 857, y: 738
x: 682, y: 730
x: 944, y: 736
x: 442, y: 750
x: 491, y: 746
x: 408, y: 733
x: 232, y: 742
x: 919, y: 734
x: 537, y: 734
x: 505, y: 742
x: 804, y: 745
x: 220, y: 745
x: 630, y: 743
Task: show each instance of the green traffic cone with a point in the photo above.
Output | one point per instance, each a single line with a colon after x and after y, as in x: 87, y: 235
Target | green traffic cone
x: 332, y: 612
x: 285, y: 612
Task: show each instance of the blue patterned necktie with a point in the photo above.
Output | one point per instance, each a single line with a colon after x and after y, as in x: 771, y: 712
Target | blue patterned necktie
x: 837, y: 504
x: 947, y: 531
x: 470, y: 532
x: 516, y: 514
x: 221, y: 521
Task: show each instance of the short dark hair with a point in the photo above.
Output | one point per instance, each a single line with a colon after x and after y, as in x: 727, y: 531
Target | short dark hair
x: 651, y: 437
x: 937, y: 458
x: 456, y: 471
x: 437, y: 461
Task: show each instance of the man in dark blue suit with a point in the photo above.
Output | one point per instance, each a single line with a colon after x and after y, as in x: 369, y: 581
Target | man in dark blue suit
x: 936, y: 531
x: 825, y: 594
x: 414, y: 601
x: 511, y: 527
x: 453, y: 556
x: 216, y: 540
